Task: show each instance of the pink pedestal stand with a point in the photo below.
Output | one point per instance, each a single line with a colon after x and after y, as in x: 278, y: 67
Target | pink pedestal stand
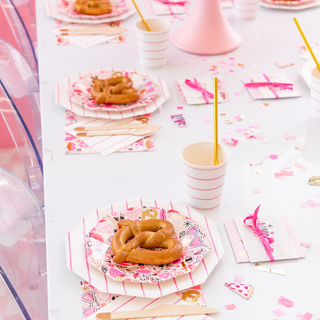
x: 207, y: 31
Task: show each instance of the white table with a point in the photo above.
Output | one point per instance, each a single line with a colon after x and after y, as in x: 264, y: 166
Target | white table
x: 74, y: 185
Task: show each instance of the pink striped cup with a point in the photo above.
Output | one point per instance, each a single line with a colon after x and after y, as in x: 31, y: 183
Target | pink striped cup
x: 153, y: 45
x: 202, y: 179
x: 315, y: 94
x: 246, y: 9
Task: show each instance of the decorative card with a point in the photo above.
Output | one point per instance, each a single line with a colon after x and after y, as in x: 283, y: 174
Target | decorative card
x: 200, y: 91
x: 163, y: 7
x: 283, y: 246
x: 271, y: 86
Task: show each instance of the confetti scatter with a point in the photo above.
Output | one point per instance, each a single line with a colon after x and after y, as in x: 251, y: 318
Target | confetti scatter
x: 238, y: 117
x: 284, y: 64
x: 306, y: 316
x: 278, y: 312
x: 299, y: 146
x: 238, y: 278
x: 286, y: 302
x: 230, y: 141
x: 286, y: 173
x: 305, y: 244
x: 257, y: 171
x: 288, y: 136
x: 228, y: 121
x: 312, y: 203
x: 180, y: 107
x: 273, y: 156
x: 241, y: 129
x: 256, y: 190
x: 230, y: 306
x: 303, y: 205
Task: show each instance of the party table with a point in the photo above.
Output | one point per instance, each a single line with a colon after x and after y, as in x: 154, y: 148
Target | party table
x: 77, y: 184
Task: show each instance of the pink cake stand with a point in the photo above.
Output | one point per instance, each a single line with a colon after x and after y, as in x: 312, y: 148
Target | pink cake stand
x: 207, y: 31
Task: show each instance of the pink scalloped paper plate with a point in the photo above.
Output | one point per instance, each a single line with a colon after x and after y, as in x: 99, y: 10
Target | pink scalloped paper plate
x: 80, y: 91
x: 287, y: 3
x: 66, y: 7
x: 189, y: 232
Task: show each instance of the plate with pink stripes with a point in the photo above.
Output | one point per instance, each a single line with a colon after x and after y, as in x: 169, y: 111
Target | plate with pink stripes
x: 78, y: 256
x: 187, y: 231
x: 66, y: 7
x: 80, y: 91
x: 62, y: 96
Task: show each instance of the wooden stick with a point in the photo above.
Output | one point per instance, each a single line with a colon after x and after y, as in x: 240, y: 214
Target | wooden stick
x: 116, y: 127
x: 166, y: 310
x: 307, y: 43
x: 142, y: 18
x: 215, y: 122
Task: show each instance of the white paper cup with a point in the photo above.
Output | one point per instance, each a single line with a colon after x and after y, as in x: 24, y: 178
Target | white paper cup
x: 153, y: 45
x: 315, y: 94
x: 246, y: 9
x: 203, y: 181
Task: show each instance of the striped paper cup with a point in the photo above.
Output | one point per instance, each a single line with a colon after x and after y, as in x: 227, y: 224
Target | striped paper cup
x: 247, y: 9
x: 315, y: 94
x: 204, y: 181
x: 153, y: 45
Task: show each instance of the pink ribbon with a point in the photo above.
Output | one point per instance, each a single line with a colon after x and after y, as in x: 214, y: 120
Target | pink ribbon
x: 195, y: 85
x: 266, y: 241
x: 271, y: 85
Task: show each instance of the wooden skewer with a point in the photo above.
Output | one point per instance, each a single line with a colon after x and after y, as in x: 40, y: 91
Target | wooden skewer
x: 215, y: 122
x: 138, y: 132
x: 166, y: 310
x: 142, y: 18
x: 116, y: 127
x: 307, y: 43
x: 106, y: 31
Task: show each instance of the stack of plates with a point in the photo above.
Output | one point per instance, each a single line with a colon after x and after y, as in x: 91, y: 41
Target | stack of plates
x: 290, y: 5
x: 73, y: 93
x: 63, y: 10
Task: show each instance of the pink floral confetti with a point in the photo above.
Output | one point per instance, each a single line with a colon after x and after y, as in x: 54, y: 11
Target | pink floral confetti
x: 312, y: 203
x: 286, y: 302
x: 180, y: 107
x: 278, y: 312
x: 273, y: 156
x: 238, y: 278
x: 286, y: 173
x: 256, y: 190
x: 305, y: 244
x: 303, y: 205
x: 236, y: 94
x: 307, y: 316
x: 254, y: 125
x: 298, y: 165
x: 288, y: 136
x: 230, y: 306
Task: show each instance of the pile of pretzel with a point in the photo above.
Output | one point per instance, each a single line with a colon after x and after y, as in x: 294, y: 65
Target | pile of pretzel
x: 93, y: 7
x: 151, y: 233
x: 116, y: 90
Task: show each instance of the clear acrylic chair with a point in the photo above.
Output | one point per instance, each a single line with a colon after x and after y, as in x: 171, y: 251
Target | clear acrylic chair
x: 22, y: 87
x: 23, y: 280
x: 24, y: 143
x: 18, y: 27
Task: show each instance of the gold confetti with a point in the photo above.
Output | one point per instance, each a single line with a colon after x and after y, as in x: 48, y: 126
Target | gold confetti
x: 314, y: 181
x: 274, y: 271
x: 228, y: 121
x: 266, y: 104
x: 223, y: 114
x: 257, y: 171
x: 240, y: 64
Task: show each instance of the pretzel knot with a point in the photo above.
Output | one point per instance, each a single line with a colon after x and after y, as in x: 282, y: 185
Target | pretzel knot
x: 93, y: 7
x: 116, y: 90
x: 151, y: 233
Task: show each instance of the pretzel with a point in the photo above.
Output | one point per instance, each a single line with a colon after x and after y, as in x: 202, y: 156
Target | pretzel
x: 151, y: 233
x: 116, y: 90
x: 93, y: 7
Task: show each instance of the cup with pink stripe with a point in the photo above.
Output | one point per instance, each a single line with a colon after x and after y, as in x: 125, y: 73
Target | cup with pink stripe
x: 246, y: 9
x: 315, y: 94
x: 153, y: 45
x: 203, y: 181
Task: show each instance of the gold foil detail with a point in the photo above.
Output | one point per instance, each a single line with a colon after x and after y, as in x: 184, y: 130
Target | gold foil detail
x: 265, y: 269
x: 192, y: 296
x: 314, y: 181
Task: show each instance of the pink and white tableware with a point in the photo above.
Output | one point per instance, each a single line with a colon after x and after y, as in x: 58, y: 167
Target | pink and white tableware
x: 203, y: 181
x: 315, y: 94
x: 153, y: 45
x: 247, y: 9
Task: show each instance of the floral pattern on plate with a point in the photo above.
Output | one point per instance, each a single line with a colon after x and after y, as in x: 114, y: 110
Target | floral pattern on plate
x: 80, y: 91
x: 189, y: 232
x: 66, y: 7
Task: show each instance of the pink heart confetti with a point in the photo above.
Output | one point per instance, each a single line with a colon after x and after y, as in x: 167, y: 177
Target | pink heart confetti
x: 273, y: 156
x: 278, y: 312
x: 180, y: 107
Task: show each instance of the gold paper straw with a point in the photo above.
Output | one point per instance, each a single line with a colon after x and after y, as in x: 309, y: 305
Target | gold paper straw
x: 215, y: 122
x: 142, y: 18
x: 307, y: 43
